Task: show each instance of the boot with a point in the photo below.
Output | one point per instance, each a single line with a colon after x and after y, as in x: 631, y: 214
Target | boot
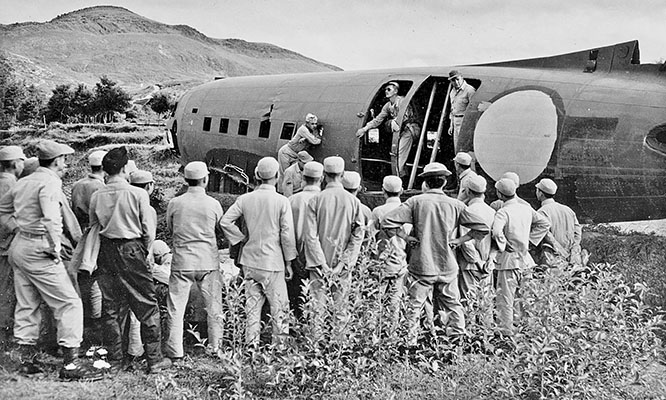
x: 74, y: 369
x: 30, y: 363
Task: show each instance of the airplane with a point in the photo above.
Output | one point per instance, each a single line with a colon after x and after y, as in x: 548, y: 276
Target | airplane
x: 593, y: 120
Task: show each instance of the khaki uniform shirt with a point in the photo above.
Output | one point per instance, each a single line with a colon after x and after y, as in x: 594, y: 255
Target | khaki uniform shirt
x: 476, y: 250
x: 82, y: 191
x: 270, y: 225
x: 299, y: 206
x: 123, y: 212
x: 7, y: 181
x: 394, y: 255
x: 296, y: 144
x: 390, y: 111
x: 514, y: 227
x: 460, y: 98
x: 435, y: 219
x: 35, y: 203
x: 463, y: 180
x: 563, y: 223
x: 293, y: 180
x: 192, y: 218
x: 333, y: 228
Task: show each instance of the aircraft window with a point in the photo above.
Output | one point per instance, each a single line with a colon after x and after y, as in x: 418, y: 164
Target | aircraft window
x: 224, y: 125
x: 265, y: 129
x: 656, y: 139
x: 206, y: 124
x: 195, y: 110
x: 287, y: 130
x: 242, y: 127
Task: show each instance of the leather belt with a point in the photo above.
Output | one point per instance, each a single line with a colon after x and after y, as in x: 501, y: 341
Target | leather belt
x: 32, y: 235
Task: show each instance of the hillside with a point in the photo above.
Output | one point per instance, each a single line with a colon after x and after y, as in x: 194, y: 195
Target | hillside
x: 135, y: 51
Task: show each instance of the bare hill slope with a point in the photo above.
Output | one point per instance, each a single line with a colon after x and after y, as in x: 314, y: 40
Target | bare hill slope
x: 135, y: 51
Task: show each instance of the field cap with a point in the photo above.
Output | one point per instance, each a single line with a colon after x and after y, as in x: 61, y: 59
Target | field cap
x: 95, y: 158
x: 547, y: 186
x: 463, y: 158
x: 334, y: 165
x: 196, y: 170
x: 477, y: 184
x: 311, y: 118
x: 435, y: 169
x: 48, y: 150
x: 116, y: 158
x: 140, y: 177
x: 160, y: 248
x: 506, y: 186
x: 395, y: 84
x: 392, y: 184
x: 131, y: 167
x: 473, y: 221
x: 351, y: 180
x: 313, y: 169
x: 513, y: 176
x: 29, y: 166
x: 304, y: 156
x: 453, y: 74
x: 266, y: 168
x: 9, y: 153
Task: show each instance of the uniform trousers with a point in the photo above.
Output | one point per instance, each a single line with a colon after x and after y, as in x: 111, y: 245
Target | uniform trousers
x: 470, y: 279
x: 260, y: 286
x: 410, y: 132
x: 286, y: 157
x: 37, y: 276
x: 125, y: 280
x: 392, y: 288
x: 457, y: 123
x: 506, y: 283
x: 446, y: 297
x: 7, y: 300
x: 180, y: 283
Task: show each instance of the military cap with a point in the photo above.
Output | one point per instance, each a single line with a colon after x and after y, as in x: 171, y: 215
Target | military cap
x: 547, y: 186
x: 304, y: 156
x: 95, y: 158
x: 10, y: 153
x: 506, y: 186
x: 311, y: 118
x: 140, y: 177
x: 351, y: 180
x: 453, y: 74
x: 266, y: 168
x: 196, y: 170
x: 463, y: 158
x: 513, y: 176
x: 29, y: 166
x: 395, y: 84
x: 313, y: 169
x: 116, y: 158
x: 160, y: 248
x: 334, y: 165
x: 392, y: 184
x: 435, y: 169
x: 48, y: 150
x: 477, y: 184
x: 131, y: 166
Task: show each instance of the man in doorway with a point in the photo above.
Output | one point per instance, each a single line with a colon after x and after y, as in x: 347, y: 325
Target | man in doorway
x: 410, y: 127
x: 461, y: 95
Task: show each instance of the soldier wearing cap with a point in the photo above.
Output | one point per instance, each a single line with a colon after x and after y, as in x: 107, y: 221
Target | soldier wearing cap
x: 83, y: 189
x: 312, y: 177
x: 515, y: 226
x: 127, y: 230
x: 411, y: 127
x: 464, y: 172
x: 392, y: 250
x: 435, y: 218
x: 35, y: 203
x: 292, y: 181
x: 195, y: 259
x: 497, y: 204
x: 474, y: 258
x: 270, y: 248
x: 564, y: 225
x: 333, y: 236
x: 11, y: 167
x: 307, y: 135
x: 351, y: 182
x: 459, y: 97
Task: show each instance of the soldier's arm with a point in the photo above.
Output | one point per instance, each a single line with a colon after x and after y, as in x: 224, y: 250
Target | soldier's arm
x: 287, y: 233
x: 148, y: 220
x: 7, y: 211
x: 540, y: 227
x: 498, y: 230
x: 227, y: 223
x: 314, y: 254
x: 49, y: 201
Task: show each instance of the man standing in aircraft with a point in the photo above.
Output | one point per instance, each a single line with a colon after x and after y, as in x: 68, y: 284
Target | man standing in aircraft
x: 435, y: 218
x: 390, y: 111
x: 515, y: 226
x: 293, y: 176
x: 312, y: 176
x: 308, y: 134
x: 269, y: 250
x: 464, y: 173
x: 461, y: 94
x: 564, y: 224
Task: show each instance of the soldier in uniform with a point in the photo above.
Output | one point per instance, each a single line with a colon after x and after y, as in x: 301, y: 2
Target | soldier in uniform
x: 464, y: 173
x: 292, y: 181
x: 461, y: 95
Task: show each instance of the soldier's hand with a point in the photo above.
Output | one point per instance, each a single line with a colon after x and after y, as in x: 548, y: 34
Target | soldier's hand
x: 360, y: 133
x: 288, y: 271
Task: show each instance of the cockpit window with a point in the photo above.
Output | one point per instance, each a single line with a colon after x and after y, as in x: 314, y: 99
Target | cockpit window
x: 656, y: 139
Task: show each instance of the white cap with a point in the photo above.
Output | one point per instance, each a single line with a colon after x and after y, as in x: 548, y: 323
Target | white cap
x: 334, y: 165
x: 313, y: 169
x: 266, y: 168
x: 547, y: 186
x: 435, y: 169
x: 141, y: 177
x: 196, y: 170
x: 392, y: 184
x: 506, y: 186
x: 9, y: 153
x: 463, y: 158
x: 513, y: 176
x: 95, y: 158
x: 477, y: 184
x: 351, y: 180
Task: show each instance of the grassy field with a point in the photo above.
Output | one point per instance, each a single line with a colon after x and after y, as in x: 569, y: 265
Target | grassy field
x: 592, y: 334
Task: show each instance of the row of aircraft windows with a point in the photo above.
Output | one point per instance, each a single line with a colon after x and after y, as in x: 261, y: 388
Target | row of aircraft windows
x: 287, y: 132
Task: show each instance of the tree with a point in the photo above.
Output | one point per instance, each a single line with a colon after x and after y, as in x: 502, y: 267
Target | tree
x: 83, y: 103
x: 10, y: 93
x: 160, y: 103
x: 59, y: 106
x: 32, y: 105
x: 110, y: 98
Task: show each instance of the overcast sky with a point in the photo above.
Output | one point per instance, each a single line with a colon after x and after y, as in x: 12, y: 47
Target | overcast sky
x: 367, y: 34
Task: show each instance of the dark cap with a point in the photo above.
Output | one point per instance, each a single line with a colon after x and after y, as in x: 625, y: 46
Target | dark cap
x: 115, y: 159
x: 453, y: 74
